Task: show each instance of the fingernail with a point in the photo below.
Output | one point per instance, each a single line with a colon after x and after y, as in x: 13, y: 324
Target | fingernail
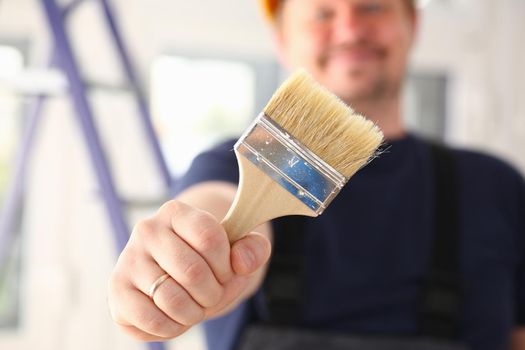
x: 248, y: 258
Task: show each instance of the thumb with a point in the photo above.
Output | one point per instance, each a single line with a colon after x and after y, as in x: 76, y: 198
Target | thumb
x: 249, y: 253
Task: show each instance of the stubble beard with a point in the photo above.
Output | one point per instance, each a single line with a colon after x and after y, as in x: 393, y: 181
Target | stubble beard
x: 379, y: 90
x: 380, y: 87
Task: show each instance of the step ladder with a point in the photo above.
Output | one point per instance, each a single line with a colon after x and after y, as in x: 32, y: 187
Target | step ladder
x: 63, y: 58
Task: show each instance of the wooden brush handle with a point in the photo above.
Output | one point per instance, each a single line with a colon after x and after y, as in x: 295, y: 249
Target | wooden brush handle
x: 259, y: 199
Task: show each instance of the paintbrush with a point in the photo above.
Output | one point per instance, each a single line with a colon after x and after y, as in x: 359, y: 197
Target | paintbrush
x: 297, y: 155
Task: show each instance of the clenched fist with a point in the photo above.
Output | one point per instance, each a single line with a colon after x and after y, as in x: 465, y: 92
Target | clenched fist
x: 203, y: 275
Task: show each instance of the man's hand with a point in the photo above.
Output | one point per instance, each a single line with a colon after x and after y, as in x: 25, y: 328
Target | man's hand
x: 206, y: 274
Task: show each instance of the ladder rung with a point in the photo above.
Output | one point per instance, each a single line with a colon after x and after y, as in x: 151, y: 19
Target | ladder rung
x: 109, y: 87
x: 144, y: 203
x: 70, y: 7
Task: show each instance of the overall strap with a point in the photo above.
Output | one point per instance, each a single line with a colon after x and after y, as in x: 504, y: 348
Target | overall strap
x: 439, y: 311
x: 283, y: 288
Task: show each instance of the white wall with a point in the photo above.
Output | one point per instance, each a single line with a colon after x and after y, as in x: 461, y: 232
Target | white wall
x: 68, y: 249
x: 481, y: 43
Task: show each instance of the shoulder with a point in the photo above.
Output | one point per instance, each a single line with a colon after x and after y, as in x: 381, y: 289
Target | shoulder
x: 486, y: 180
x: 476, y: 163
x: 486, y: 166
x: 493, y: 180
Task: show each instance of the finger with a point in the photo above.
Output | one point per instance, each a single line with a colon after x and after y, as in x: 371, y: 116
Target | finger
x: 132, y: 308
x: 175, y: 302
x: 141, y: 335
x: 250, y: 253
x: 186, y: 267
x: 204, y: 234
x: 169, y: 296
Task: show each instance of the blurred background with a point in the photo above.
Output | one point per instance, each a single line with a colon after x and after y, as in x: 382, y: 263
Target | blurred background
x: 204, y: 68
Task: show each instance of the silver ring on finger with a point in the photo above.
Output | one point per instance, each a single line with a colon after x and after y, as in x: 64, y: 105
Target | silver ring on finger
x: 155, y: 285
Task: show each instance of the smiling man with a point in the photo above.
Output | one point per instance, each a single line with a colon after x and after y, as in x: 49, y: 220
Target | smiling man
x: 424, y: 249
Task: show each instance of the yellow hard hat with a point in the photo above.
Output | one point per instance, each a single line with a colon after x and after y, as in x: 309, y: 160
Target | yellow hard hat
x: 269, y: 8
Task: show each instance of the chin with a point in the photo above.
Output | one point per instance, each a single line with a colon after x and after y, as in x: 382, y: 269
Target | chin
x: 353, y: 92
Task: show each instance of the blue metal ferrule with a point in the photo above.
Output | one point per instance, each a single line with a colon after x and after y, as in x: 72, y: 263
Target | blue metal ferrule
x: 288, y: 162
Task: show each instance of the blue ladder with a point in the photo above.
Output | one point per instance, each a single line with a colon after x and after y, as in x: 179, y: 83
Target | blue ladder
x: 63, y: 58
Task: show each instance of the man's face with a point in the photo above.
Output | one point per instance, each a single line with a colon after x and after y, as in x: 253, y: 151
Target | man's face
x: 356, y: 48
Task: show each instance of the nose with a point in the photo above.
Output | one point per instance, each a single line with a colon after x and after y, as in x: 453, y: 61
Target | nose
x: 349, y: 26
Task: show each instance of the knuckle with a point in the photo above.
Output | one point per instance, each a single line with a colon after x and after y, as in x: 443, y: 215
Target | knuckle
x: 172, y: 208
x: 195, y: 273
x: 177, y: 300
x: 182, y: 304
x: 155, y: 323
x: 144, y: 228
x: 215, y: 296
x: 128, y: 260
x: 209, y: 239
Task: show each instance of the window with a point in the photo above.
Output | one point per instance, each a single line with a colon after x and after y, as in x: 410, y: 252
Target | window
x: 199, y: 101
x: 425, y: 102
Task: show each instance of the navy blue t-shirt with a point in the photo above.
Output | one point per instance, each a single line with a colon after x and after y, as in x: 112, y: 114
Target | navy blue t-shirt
x: 368, y: 252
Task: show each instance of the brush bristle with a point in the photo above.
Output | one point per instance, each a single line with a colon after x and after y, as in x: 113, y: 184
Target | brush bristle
x: 324, y: 124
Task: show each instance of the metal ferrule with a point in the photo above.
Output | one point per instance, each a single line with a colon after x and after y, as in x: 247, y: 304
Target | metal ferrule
x: 289, y: 163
